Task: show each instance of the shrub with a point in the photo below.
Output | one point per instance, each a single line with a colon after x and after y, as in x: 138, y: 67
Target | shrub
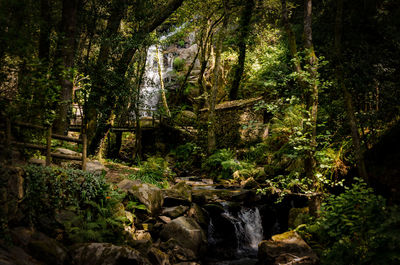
x: 222, y: 164
x: 87, y: 196
x: 188, y: 156
x: 154, y: 170
x: 178, y: 64
x: 356, y: 227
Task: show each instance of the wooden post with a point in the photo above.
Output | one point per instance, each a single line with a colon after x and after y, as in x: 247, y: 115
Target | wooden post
x: 84, y: 151
x: 48, y: 147
x: 8, y: 140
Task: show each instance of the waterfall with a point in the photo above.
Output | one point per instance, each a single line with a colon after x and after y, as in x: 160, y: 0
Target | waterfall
x: 151, y: 87
x: 150, y: 92
x: 246, y: 225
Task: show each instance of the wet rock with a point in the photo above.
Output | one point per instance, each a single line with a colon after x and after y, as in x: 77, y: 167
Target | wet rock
x: 187, y: 232
x: 286, y: 248
x: 105, y: 254
x: 175, y: 211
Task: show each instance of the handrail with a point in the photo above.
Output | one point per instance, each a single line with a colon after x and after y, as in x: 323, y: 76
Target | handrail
x: 47, y: 147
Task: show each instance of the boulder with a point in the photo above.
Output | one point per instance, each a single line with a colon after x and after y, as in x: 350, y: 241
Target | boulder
x: 65, y: 151
x: 175, y: 211
x: 297, y: 216
x: 249, y: 183
x: 41, y: 247
x: 187, y: 232
x: 177, y: 252
x: 286, y: 248
x: 13, y: 255
x: 179, y: 194
x: 127, y: 184
x: 95, y: 167
x: 105, y: 254
x: 149, y: 195
x: 199, y: 215
x: 157, y: 257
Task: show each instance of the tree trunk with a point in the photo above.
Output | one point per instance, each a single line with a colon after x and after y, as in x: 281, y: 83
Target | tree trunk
x: 243, y: 35
x: 291, y: 37
x: 347, y: 96
x: 163, y: 96
x: 211, y: 133
x: 67, y: 52
x: 44, y: 37
x: 122, y: 66
x: 312, y: 93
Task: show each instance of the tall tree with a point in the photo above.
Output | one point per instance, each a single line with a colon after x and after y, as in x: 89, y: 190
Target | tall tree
x: 66, y: 52
x: 347, y: 95
x: 307, y: 79
x: 244, y: 30
x: 121, y: 67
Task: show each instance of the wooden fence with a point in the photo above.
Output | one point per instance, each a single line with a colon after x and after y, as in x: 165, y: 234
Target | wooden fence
x: 45, y: 148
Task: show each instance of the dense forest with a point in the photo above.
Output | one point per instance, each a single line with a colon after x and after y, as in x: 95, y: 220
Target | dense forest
x: 199, y: 132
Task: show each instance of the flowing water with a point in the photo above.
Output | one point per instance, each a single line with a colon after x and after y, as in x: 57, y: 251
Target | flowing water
x: 151, y: 87
x: 248, y: 232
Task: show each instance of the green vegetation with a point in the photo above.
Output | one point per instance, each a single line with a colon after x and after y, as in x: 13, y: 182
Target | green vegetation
x: 155, y: 171
x: 356, y: 227
x: 82, y: 203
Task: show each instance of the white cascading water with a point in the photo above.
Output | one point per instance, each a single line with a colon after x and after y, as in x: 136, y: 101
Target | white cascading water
x: 150, y: 92
x: 248, y: 228
x: 151, y: 88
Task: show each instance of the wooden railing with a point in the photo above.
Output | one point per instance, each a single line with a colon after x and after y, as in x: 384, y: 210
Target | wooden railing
x: 44, y: 148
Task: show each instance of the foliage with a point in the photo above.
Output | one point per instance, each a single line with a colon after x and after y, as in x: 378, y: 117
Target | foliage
x: 154, y: 170
x: 356, y: 227
x: 222, y: 164
x: 86, y: 195
x: 179, y: 64
x: 188, y: 156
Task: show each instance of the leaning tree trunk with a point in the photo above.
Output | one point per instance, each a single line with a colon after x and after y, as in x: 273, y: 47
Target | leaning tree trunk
x: 163, y: 96
x: 347, y: 96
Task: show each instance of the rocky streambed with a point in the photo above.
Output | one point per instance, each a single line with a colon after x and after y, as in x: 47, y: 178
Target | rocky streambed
x: 193, y: 222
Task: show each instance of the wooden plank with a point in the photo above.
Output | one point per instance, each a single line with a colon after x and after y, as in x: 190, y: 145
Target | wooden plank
x: 66, y: 138
x: 31, y: 146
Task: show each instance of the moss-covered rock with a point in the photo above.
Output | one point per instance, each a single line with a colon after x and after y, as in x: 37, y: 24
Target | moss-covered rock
x: 286, y: 248
x: 150, y: 195
x: 298, y: 216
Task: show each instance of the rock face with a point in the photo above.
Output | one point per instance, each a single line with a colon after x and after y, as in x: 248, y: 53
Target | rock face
x: 175, y: 211
x: 179, y: 194
x: 106, y: 254
x: 148, y: 194
x: 187, y: 233
x: 286, y: 248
